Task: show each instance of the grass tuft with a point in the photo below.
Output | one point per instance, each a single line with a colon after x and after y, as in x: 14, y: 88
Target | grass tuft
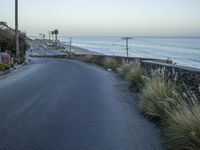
x: 89, y: 59
x: 110, y: 63
x: 155, y: 98
x: 126, y: 72
x: 182, y: 126
x: 137, y: 77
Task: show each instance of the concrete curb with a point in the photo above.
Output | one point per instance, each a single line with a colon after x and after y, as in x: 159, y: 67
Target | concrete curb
x: 12, y: 69
x: 4, y: 73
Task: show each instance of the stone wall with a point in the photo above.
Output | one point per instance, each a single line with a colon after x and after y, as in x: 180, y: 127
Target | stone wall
x: 121, y: 59
x: 183, y: 76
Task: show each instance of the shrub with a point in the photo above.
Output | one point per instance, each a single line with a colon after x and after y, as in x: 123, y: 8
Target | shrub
x: 155, y: 98
x: 21, y: 60
x: 7, y: 41
x: 4, y: 67
x: 89, y: 59
x: 70, y: 56
x: 126, y: 72
x: 182, y: 127
x: 7, y: 67
x: 137, y: 79
x: 110, y: 63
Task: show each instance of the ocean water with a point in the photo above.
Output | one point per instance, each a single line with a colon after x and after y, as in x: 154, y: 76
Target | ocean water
x: 184, y: 51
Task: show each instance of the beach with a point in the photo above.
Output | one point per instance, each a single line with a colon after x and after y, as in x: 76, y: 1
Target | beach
x: 79, y: 50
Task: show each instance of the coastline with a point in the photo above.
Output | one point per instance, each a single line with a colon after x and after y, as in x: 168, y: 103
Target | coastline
x: 79, y: 50
x: 183, y: 51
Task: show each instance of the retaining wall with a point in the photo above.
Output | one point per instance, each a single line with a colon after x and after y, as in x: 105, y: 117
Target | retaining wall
x: 183, y: 76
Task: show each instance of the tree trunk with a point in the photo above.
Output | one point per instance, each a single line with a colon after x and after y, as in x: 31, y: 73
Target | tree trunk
x: 56, y: 40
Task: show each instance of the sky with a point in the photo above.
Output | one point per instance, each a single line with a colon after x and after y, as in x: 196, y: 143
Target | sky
x: 105, y: 17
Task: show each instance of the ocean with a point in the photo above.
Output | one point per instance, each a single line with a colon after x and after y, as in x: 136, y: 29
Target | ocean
x: 184, y: 51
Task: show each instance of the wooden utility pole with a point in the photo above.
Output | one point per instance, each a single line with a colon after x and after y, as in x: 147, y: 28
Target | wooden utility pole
x: 42, y: 36
x: 127, y: 48
x: 16, y: 30
x: 49, y: 35
x: 56, y: 37
x: 70, y: 44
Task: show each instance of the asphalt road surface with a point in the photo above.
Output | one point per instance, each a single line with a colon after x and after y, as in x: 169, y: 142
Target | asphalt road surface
x: 57, y: 104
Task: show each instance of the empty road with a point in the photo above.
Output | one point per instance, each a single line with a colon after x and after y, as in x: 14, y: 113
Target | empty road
x: 57, y: 104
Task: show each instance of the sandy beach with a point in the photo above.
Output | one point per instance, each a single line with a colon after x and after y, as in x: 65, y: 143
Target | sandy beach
x: 79, y: 50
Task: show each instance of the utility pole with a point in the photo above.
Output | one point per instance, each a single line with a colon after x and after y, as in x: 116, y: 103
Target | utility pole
x: 70, y: 44
x: 16, y: 29
x: 49, y: 35
x: 127, y: 38
x: 42, y: 36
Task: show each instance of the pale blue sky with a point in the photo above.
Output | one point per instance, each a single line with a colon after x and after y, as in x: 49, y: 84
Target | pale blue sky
x: 105, y: 17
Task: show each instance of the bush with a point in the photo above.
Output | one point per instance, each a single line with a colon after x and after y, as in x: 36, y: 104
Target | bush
x: 7, y: 67
x: 89, y: 59
x: 4, y: 67
x: 110, y: 63
x: 7, y: 41
x: 182, y: 127
x: 21, y: 60
x: 137, y: 79
x: 155, y: 98
x: 126, y: 72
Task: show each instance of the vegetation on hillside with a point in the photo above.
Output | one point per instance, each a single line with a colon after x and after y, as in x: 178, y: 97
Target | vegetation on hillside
x: 7, y: 41
x: 4, y: 67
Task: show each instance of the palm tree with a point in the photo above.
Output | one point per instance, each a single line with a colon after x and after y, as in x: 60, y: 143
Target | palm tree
x: 52, y: 32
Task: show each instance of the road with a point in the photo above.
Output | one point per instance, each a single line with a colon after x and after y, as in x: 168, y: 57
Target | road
x: 57, y: 104
x: 42, y: 50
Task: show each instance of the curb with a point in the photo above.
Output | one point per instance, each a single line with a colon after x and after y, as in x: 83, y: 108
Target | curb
x: 12, y: 69
x: 4, y: 73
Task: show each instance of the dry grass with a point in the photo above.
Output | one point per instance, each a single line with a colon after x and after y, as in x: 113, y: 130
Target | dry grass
x: 89, y: 59
x: 137, y: 76
x: 182, y: 126
x: 132, y: 72
x: 110, y: 63
x: 155, y: 98
x: 126, y: 72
